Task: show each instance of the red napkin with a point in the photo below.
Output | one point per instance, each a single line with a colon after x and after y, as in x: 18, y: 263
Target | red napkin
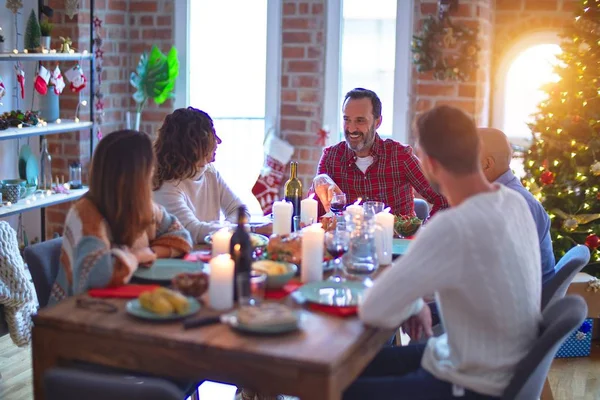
x: 200, y: 255
x: 337, y: 311
x: 122, y: 292
x: 276, y: 294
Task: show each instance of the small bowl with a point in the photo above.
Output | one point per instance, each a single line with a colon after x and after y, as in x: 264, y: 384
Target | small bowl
x: 276, y: 281
x: 191, y: 284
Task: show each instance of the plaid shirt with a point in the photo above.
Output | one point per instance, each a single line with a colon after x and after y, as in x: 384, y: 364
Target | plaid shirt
x: 389, y: 179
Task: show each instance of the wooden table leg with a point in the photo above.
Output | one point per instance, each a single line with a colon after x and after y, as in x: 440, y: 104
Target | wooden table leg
x: 547, y: 391
x: 43, y: 358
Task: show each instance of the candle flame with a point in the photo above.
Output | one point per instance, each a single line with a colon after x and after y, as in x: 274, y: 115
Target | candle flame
x: 312, y: 196
x: 387, y: 210
x: 357, y: 202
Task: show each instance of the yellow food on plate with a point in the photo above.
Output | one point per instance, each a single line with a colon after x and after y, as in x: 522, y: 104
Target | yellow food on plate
x: 163, y: 301
x: 269, y: 267
x: 156, y: 303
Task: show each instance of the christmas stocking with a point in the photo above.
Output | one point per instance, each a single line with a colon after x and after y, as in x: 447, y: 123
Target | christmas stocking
x: 57, y: 81
x: 266, y: 189
x: 41, y: 81
x: 77, y: 79
x: 20, y: 79
x: 2, y: 90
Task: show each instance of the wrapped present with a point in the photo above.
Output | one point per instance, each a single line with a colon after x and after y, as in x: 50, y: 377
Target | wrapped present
x: 579, y: 343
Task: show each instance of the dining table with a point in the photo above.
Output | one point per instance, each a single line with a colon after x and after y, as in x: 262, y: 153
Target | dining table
x: 316, y: 362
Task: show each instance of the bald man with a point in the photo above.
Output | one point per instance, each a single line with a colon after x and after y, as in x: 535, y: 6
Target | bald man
x: 496, y: 154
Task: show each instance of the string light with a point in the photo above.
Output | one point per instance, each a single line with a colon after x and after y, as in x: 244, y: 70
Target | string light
x: 573, y: 155
x: 556, y: 162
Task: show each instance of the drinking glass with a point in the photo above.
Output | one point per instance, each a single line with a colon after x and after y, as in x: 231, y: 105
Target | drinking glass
x: 258, y: 284
x: 337, y: 243
x: 338, y: 203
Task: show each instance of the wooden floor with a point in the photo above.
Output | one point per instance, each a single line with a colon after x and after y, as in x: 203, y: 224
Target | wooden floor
x: 571, y: 379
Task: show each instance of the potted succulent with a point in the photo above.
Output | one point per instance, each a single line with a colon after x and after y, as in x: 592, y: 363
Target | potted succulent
x: 154, y: 79
x: 46, y: 30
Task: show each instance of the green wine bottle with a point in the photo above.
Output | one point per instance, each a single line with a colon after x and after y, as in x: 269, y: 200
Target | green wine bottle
x: 293, y: 190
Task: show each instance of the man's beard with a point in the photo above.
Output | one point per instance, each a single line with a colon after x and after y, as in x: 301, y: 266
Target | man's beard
x: 367, y: 139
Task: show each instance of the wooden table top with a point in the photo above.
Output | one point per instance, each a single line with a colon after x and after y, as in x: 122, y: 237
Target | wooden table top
x: 323, y: 342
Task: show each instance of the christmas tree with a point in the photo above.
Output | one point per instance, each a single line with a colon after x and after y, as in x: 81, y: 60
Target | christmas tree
x: 32, y: 33
x: 563, y: 164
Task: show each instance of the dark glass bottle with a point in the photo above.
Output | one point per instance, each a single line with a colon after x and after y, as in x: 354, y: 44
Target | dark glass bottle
x: 240, y: 249
x: 293, y: 190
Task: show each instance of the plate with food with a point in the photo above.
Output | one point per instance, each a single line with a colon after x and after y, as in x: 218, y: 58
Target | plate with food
x: 165, y: 269
x: 257, y: 239
x: 266, y: 319
x: 332, y: 293
x: 162, y: 304
x: 278, y: 272
x: 405, y: 226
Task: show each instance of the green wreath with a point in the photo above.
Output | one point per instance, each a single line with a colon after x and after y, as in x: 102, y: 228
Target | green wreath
x: 438, y: 35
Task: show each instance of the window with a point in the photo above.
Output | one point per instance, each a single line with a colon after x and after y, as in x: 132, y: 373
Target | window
x: 369, y: 49
x: 521, y: 77
x: 232, y: 46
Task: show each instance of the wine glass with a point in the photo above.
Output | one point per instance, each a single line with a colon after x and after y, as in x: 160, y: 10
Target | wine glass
x: 337, y: 243
x: 338, y: 203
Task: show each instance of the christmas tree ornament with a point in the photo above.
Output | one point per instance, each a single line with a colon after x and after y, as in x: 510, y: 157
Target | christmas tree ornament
x: 592, y: 241
x: 570, y: 224
x: 20, y: 79
x: 41, y: 81
x: 71, y: 8
x: 595, y: 168
x: 76, y: 78
x: 33, y: 33
x: 57, y: 81
x: 547, y: 177
x: 14, y: 5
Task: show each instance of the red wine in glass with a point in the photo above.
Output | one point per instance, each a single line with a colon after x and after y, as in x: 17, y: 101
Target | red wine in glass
x: 337, y: 207
x: 337, y: 249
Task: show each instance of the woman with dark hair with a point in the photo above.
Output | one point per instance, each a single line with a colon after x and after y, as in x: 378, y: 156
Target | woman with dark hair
x: 185, y: 181
x: 116, y: 226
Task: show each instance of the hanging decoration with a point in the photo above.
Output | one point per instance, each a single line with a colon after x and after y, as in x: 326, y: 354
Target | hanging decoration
x: 41, y: 81
x: 99, y: 96
x: 71, y: 8
x: 322, y: 134
x: 572, y: 221
x: 2, y: 90
x: 76, y: 78
x: 14, y: 5
x: 592, y: 241
x: 20, y: 78
x: 57, y: 81
x: 449, y: 50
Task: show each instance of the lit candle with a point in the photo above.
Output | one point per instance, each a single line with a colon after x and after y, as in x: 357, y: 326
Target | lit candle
x: 220, y: 287
x: 385, y: 237
x: 220, y: 242
x: 282, y: 217
x: 313, y: 239
x: 308, y: 210
x: 355, y: 208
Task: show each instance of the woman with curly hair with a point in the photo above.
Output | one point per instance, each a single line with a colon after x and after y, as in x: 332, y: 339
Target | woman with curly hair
x: 185, y: 181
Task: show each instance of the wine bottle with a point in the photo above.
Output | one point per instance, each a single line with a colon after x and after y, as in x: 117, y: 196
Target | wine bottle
x: 45, y: 181
x: 240, y: 248
x: 293, y: 190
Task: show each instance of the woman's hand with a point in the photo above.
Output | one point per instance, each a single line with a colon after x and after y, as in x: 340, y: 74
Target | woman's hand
x: 162, y: 251
x: 263, y: 229
x: 145, y: 256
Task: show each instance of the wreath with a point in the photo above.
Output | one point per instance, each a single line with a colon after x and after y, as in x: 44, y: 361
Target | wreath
x: 449, y: 50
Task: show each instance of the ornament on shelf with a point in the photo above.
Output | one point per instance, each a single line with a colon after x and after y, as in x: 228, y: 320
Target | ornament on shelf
x: 33, y: 33
x: 65, y: 46
x: 20, y: 78
x: 71, y: 8
x: 14, y: 5
x: 57, y: 81
x: 595, y: 168
x: 322, y: 134
x: 41, y: 81
x: 547, y: 177
x: 592, y: 241
x: 76, y: 78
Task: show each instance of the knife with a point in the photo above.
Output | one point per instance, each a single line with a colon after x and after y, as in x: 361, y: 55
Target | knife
x: 201, y: 321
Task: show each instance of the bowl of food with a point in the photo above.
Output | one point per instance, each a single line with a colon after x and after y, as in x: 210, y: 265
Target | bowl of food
x: 191, y: 284
x: 279, y: 273
x: 405, y: 226
x: 257, y: 240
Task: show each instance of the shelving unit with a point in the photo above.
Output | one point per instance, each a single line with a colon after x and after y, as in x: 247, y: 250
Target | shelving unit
x: 43, y: 200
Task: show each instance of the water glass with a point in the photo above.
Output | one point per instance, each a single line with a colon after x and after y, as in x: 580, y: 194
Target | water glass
x: 258, y: 285
x: 373, y: 207
x: 337, y: 243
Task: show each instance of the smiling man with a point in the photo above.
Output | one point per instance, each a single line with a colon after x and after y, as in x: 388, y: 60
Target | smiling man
x: 366, y: 166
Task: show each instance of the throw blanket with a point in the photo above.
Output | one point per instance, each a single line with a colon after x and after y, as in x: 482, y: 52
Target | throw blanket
x: 17, y: 293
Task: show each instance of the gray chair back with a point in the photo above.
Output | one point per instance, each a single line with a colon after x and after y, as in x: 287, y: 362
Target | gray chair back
x: 559, y: 320
x: 566, y: 269
x: 43, y: 261
x: 69, y: 384
x: 421, y: 209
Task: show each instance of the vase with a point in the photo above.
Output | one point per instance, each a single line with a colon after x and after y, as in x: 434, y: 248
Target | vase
x: 50, y: 106
x: 133, y: 120
x: 45, y: 42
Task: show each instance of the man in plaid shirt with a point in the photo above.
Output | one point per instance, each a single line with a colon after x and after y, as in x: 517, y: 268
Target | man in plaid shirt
x: 369, y: 167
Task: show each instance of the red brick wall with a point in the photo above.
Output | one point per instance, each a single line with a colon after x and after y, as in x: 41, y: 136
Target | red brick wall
x: 303, y: 81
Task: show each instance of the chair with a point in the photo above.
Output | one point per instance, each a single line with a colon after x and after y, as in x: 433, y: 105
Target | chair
x: 568, y: 266
x: 69, y: 384
x: 559, y: 320
x: 421, y: 209
x: 43, y: 261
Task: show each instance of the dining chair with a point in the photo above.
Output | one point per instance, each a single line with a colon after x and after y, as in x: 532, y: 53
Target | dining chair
x: 559, y: 320
x: 566, y: 269
x: 421, y: 209
x: 43, y: 262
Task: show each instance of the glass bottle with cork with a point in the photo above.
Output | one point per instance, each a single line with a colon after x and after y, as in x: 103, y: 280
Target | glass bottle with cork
x: 293, y: 191
x: 240, y: 248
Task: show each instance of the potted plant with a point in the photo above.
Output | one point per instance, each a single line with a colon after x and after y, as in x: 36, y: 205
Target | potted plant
x: 154, y: 79
x: 46, y: 30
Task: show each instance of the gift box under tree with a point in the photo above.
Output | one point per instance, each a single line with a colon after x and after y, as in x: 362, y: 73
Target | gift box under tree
x: 579, y: 343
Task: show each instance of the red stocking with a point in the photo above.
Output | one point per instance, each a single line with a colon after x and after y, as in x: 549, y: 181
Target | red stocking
x: 20, y: 80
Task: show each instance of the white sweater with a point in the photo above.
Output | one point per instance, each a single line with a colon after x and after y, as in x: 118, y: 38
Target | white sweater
x: 197, y: 202
x: 482, y: 260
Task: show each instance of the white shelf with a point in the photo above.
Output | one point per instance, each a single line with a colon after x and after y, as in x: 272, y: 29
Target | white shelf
x: 50, y: 129
x: 28, y: 204
x: 10, y: 56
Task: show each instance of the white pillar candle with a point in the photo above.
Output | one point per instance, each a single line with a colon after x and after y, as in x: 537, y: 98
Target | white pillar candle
x: 384, y: 249
x: 309, y: 210
x: 220, y: 287
x: 355, y: 209
x: 282, y: 217
x: 313, y: 242
x: 220, y: 241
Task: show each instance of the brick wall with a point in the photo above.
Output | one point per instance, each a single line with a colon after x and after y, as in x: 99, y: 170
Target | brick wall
x: 303, y: 81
